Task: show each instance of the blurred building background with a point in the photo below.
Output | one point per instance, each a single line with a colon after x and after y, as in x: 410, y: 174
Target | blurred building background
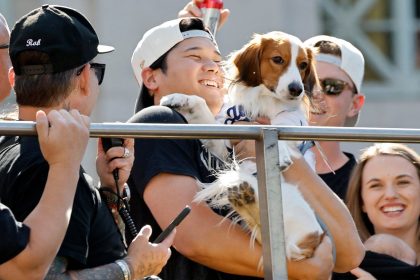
x: 386, y: 31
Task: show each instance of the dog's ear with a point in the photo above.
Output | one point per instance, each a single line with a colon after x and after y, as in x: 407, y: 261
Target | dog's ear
x: 247, y: 61
x: 311, y: 78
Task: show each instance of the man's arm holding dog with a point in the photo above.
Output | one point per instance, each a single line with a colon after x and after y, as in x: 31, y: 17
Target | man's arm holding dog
x: 349, y: 248
x: 203, y: 236
x: 211, y: 240
x: 332, y: 211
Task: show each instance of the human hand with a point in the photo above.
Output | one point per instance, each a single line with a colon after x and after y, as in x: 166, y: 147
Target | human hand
x: 320, y: 266
x: 113, y: 159
x: 191, y: 10
x: 245, y: 149
x: 362, y: 274
x: 63, y: 136
x: 145, y: 258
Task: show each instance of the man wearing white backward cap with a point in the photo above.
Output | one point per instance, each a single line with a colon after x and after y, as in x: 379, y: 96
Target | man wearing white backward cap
x: 165, y: 172
x: 340, y: 69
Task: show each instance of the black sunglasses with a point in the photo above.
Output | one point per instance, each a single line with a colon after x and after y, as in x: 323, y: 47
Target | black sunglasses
x: 335, y: 86
x: 98, y: 68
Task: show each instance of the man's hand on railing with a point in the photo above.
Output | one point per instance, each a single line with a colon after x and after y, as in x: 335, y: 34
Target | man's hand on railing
x: 245, y: 149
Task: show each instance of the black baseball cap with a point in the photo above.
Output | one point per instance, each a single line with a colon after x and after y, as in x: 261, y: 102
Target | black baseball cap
x: 62, y: 33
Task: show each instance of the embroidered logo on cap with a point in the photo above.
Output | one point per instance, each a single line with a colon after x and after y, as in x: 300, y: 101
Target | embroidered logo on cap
x: 32, y: 43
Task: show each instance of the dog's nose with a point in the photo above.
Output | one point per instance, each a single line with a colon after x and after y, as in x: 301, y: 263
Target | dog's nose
x: 295, y: 89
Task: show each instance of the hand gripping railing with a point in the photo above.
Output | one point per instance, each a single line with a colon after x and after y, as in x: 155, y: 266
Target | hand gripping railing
x: 267, y: 161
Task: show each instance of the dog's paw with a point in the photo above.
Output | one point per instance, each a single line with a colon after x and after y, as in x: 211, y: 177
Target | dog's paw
x: 181, y: 101
x: 305, y: 248
x: 241, y: 195
x: 192, y: 107
x: 285, y: 158
x: 244, y: 201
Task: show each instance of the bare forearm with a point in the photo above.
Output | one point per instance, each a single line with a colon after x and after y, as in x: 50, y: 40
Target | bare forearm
x: 48, y: 223
x: 231, y: 250
x: 332, y: 211
x: 234, y: 252
x: 203, y: 236
x: 58, y: 271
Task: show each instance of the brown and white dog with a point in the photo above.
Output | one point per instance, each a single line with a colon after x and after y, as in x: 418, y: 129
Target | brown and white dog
x: 267, y: 78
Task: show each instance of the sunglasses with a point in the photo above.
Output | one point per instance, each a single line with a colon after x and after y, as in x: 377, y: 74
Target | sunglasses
x: 335, y: 86
x: 98, y: 68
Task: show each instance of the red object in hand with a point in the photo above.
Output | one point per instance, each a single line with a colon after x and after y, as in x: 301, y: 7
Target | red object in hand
x: 211, y: 13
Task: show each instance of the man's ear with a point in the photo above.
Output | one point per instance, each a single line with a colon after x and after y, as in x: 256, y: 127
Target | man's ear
x: 11, y: 76
x: 357, y: 104
x: 148, y: 76
x: 84, y: 80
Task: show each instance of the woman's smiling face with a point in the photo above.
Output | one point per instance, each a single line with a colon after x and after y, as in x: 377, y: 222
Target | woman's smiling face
x: 391, y: 193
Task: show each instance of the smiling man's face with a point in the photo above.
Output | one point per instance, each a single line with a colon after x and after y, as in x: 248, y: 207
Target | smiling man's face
x: 193, y: 67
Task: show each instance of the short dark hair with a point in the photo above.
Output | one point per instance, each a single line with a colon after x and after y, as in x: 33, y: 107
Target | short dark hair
x: 327, y: 47
x: 44, y: 90
x: 145, y: 99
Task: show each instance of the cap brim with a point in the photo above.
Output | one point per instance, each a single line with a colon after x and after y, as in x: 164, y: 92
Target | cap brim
x: 105, y: 49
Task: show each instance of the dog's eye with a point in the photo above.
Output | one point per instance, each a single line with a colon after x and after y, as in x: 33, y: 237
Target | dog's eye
x: 303, y: 66
x: 278, y: 60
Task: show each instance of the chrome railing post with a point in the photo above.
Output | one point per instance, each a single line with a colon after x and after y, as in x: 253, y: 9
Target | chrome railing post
x: 271, y: 205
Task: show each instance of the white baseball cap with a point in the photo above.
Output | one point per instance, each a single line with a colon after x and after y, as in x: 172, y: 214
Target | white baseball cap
x: 351, y: 62
x: 156, y: 42
x: 159, y: 40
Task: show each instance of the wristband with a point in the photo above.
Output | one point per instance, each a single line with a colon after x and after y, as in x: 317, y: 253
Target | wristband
x: 124, y: 268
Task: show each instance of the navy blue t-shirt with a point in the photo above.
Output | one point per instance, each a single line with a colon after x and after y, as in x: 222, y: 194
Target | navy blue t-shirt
x: 92, y: 238
x: 181, y: 157
x: 339, y: 180
x: 14, y: 235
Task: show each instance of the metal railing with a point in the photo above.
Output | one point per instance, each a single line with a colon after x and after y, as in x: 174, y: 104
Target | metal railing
x: 266, y: 138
